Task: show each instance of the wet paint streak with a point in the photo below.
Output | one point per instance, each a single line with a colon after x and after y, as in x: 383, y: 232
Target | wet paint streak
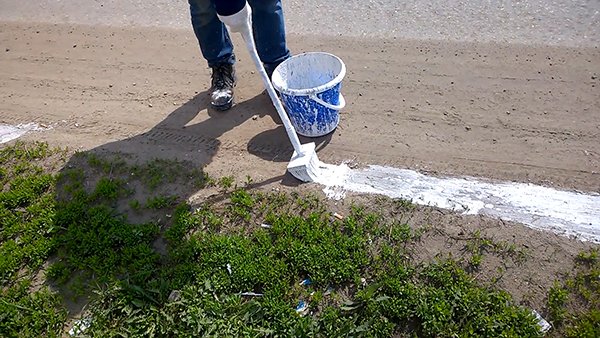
x: 563, y: 212
x: 9, y: 133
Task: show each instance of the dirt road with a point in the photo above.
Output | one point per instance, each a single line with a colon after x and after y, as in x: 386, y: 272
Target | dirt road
x: 509, y: 112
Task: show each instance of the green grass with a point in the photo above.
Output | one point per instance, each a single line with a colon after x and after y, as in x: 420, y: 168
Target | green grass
x: 478, y: 246
x: 27, y: 238
x: 160, y: 202
x: 581, y: 290
x: 75, y: 229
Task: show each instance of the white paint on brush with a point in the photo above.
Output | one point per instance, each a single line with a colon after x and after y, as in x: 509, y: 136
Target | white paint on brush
x: 9, y: 133
x: 564, y: 212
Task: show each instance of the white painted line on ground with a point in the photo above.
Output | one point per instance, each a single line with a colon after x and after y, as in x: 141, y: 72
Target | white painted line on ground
x: 563, y: 212
x: 9, y: 133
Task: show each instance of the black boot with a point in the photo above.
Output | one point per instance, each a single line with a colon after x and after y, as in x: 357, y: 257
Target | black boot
x: 223, y: 81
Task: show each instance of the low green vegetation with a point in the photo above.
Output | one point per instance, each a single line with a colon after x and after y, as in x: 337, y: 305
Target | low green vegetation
x: 581, y: 291
x: 233, y: 266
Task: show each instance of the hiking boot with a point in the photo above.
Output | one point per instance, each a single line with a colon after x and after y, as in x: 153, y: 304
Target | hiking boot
x: 223, y: 81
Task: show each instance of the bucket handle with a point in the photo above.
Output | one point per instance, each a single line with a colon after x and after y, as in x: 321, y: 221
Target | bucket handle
x: 340, y: 106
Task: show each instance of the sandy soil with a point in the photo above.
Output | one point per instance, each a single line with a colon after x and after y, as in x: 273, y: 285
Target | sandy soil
x: 507, y: 112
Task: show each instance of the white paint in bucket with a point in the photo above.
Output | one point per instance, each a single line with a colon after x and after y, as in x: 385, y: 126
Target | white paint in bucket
x: 563, y: 212
x: 9, y: 132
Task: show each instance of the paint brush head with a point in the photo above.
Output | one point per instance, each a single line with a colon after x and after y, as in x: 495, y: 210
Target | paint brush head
x: 305, y: 165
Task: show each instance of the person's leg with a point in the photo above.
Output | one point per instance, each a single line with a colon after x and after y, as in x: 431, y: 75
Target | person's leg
x: 217, y: 49
x: 269, y: 32
x: 212, y: 35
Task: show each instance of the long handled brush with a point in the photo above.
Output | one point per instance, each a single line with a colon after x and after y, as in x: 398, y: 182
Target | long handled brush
x: 305, y: 164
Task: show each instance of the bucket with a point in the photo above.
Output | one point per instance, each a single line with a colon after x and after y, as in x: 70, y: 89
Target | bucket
x: 310, y: 84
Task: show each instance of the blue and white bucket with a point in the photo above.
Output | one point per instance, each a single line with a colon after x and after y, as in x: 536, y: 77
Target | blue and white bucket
x: 310, y: 85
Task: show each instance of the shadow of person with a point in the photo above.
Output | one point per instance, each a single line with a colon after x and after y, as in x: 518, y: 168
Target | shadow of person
x: 273, y: 145
x: 176, y: 138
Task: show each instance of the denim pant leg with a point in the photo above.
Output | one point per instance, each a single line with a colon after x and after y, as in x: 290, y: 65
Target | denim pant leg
x: 212, y: 35
x: 269, y: 32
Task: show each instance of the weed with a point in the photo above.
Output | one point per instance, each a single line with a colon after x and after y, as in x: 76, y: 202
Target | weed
x: 135, y: 204
x: 403, y: 204
x: 25, y: 152
x: 241, y: 204
x: 587, y: 325
x: 107, y: 164
x: 159, y: 172
x: 557, y: 297
x: 59, y: 272
x: 215, y: 254
x: 108, y: 189
x: 200, y: 179
x: 582, y: 289
x: 400, y: 232
x: 161, y: 202
x: 30, y: 314
x: 589, y: 258
x: 27, y: 212
x: 226, y: 182
x: 477, y: 245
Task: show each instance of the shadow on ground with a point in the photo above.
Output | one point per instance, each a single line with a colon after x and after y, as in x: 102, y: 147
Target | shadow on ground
x: 144, y: 177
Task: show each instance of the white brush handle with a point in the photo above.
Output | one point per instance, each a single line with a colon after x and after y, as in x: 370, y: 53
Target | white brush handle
x: 245, y: 29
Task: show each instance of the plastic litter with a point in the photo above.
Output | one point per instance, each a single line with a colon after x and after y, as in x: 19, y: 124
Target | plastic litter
x: 251, y: 294
x: 229, y: 268
x: 80, y: 326
x: 306, y: 282
x: 266, y: 226
x: 542, y: 323
x: 338, y: 216
x: 302, y: 308
x: 174, y: 296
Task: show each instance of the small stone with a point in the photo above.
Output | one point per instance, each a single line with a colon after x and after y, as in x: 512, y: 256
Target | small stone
x: 255, y: 117
x: 468, y: 128
x: 134, y: 84
x: 359, y: 94
x: 110, y: 86
x: 7, y: 49
x: 150, y: 105
x: 174, y: 296
x: 74, y: 46
x: 593, y: 76
x: 165, y: 93
x: 507, y: 112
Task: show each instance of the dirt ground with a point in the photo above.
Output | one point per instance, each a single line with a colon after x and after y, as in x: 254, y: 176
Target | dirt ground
x: 509, y: 112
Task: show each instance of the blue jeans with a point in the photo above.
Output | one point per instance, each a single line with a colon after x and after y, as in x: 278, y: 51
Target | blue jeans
x: 267, y: 24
